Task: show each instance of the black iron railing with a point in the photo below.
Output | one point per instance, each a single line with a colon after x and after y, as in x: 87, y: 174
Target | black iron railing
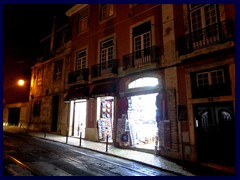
x: 213, y: 34
x: 106, y: 67
x: 81, y: 74
x: 142, y: 57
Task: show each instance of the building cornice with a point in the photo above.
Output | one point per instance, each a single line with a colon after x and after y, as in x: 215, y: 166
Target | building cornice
x: 75, y: 9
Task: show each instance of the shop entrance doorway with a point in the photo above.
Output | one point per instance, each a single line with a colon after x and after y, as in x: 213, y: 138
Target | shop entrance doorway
x: 79, y: 118
x: 142, y: 120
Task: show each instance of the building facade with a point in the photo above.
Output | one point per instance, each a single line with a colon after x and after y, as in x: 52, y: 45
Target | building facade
x: 48, y: 86
x: 207, y: 81
x: 142, y: 76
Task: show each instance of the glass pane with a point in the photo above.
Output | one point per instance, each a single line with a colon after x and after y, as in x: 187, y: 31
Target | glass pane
x: 210, y: 14
x: 205, y: 121
x: 202, y: 79
x: 143, y: 82
x: 217, y: 77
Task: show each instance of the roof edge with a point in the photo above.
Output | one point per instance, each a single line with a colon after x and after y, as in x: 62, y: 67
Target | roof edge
x: 75, y: 9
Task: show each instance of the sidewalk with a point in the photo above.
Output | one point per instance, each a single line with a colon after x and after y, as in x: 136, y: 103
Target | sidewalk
x: 142, y: 157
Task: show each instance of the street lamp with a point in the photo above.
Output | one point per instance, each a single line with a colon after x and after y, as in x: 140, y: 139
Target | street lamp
x: 21, y: 82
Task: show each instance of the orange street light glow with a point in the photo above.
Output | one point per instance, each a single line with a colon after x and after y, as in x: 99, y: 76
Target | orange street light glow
x: 20, y: 82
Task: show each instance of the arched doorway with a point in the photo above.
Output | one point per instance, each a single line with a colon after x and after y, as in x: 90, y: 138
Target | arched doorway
x: 141, y: 112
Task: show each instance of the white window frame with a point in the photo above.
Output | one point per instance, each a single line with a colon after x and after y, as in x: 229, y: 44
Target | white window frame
x: 201, y: 81
x: 107, y: 53
x: 203, y: 15
x: 201, y: 37
x: 81, y: 59
x: 143, y: 42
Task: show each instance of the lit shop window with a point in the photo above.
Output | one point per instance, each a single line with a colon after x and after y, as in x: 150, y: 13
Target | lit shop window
x: 143, y: 82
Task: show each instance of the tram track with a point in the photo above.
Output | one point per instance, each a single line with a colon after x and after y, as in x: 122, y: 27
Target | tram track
x: 15, y: 161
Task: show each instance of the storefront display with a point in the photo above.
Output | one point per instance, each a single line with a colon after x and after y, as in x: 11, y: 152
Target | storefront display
x: 105, y: 120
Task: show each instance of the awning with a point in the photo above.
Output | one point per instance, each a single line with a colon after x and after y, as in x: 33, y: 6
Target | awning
x: 77, y: 92
x: 108, y: 89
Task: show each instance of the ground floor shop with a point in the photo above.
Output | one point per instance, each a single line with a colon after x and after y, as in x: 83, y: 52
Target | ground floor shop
x: 141, y: 107
x: 105, y: 118
x: 142, y: 120
x: 78, y: 118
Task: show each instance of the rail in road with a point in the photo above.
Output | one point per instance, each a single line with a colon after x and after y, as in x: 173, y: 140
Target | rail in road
x: 36, y: 157
x: 13, y: 166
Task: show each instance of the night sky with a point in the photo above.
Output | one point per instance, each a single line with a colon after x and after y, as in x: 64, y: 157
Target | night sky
x: 24, y: 26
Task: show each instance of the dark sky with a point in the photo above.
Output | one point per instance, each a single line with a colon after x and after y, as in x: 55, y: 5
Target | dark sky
x: 24, y: 25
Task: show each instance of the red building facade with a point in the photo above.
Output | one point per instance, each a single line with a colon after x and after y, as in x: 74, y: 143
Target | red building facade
x: 151, y: 77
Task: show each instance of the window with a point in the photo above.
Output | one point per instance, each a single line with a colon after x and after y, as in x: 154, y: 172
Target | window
x: 202, y: 16
x: 58, y: 69
x: 82, y: 21
x: 36, y: 107
x: 210, y: 78
x: 142, y: 39
x: 106, y: 11
x: 39, y: 76
x: 143, y: 82
x: 205, y: 121
x: 211, y: 82
x: 81, y: 59
x: 203, y: 22
x: 107, y: 53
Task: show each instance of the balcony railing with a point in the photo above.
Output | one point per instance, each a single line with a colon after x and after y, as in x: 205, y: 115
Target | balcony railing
x: 81, y: 74
x: 214, y: 34
x: 106, y: 67
x: 142, y: 57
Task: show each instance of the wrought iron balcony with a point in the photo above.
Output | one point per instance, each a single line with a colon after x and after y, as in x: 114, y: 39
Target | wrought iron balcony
x: 106, y: 67
x: 214, y: 34
x: 81, y: 74
x: 141, y: 58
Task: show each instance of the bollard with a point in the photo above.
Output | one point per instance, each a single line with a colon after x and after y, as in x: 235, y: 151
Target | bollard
x: 107, y: 144
x: 67, y: 137
x: 80, y: 141
x: 45, y: 131
x: 27, y: 128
